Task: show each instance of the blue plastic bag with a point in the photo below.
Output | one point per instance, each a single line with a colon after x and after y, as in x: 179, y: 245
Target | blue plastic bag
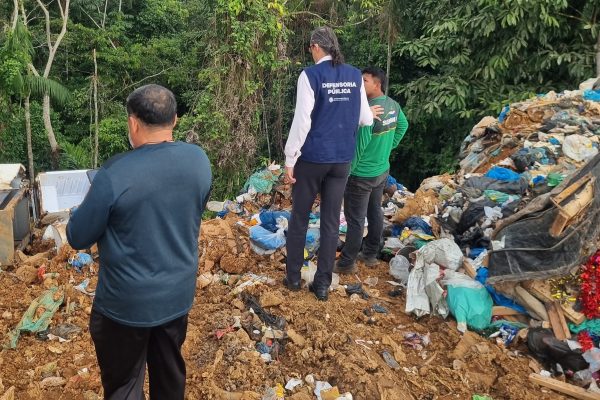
x: 499, y: 299
x: 503, y: 174
x: 592, y: 95
x: 266, y: 239
x: 413, y: 223
x: 313, y: 237
x: 80, y: 260
x: 268, y: 219
x: 503, y: 114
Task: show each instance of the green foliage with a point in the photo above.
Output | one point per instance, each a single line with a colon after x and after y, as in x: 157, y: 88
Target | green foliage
x: 233, y: 66
x: 13, y: 144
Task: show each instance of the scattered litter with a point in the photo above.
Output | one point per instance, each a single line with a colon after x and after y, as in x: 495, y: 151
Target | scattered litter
x: 38, y: 315
x: 292, y: 383
x: 390, y: 360
x: 82, y: 287
x: 80, y: 260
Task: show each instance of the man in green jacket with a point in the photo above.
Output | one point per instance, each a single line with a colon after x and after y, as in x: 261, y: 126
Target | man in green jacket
x: 368, y: 175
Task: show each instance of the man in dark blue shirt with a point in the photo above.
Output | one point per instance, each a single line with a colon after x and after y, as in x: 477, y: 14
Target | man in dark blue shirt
x: 144, y: 210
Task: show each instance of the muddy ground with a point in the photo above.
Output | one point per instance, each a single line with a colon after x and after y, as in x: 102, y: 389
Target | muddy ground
x: 335, y: 341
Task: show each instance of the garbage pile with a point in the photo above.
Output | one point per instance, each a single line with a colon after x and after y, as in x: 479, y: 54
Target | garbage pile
x: 507, y: 245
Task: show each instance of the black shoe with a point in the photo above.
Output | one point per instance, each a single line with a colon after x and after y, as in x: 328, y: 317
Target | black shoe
x: 344, y: 269
x: 320, y: 293
x: 292, y: 286
x: 370, y: 262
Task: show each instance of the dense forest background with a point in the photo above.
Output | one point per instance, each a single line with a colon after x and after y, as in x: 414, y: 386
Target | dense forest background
x: 66, y: 67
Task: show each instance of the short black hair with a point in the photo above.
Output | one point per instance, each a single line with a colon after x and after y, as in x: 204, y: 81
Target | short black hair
x: 153, y: 105
x: 378, y: 74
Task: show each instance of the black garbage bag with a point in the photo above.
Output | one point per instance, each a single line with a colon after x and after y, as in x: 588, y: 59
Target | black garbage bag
x: 473, y: 239
x: 356, y: 288
x: 472, y: 215
x: 484, y: 183
x: 549, y: 350
x: 270, y: 319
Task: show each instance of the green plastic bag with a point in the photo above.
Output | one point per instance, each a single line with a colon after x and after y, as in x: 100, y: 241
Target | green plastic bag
x: 500, y: 197
x: 262, y: 181
x: 554, y: 179
x: 470, y: 305
x: 480, y: 397
x: 38, y: 315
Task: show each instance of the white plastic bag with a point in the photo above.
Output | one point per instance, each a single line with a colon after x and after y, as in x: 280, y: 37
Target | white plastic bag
x: 399, y: 267
x: 443, y: 252
x: 579, y: 148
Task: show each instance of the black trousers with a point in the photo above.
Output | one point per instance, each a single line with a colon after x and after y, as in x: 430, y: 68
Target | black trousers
x: 362, y: 199
x: 123, y: 352
x: 311, y: 179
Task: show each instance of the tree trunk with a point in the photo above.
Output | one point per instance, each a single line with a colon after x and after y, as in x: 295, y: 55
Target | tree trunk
x: 28, y: 134
x: 95, y: 80
x: 50, y: 132
x: 598, y: 56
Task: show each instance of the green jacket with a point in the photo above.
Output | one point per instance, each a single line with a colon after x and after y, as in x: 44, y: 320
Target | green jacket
x: 375, y: 143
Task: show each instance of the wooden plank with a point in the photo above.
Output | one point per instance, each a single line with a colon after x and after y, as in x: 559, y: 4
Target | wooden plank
x: 555, y: 321
x: 469, y: 269
x: 532, y: 305
x: 542, y: 291
x: 561, y: 318
x: 502, y: 311
x: 562, y: 387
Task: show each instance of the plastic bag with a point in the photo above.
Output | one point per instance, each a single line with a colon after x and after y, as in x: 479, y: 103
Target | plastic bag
x: 424, y: 293
x: 38, y: 316
x: 268, y: 240
x: 591, y: 95
x: 592, y: 356
x: 270, y: 219
x: 399, y: 266
x: 444, y: 252
x: 262, y: 181
x: 579, y: 148
x: 503, y: 174
x: 469, y: 301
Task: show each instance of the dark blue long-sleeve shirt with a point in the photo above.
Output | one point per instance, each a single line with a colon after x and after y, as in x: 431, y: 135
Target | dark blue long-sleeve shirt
x: 144, y: 210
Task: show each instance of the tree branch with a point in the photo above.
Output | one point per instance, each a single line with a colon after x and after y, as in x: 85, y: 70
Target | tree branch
x: 63, y: 31
x: 47, y: 16
x: 140, y: 81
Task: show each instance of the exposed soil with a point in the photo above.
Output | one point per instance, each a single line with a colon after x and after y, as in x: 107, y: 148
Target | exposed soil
x: 335, y: 341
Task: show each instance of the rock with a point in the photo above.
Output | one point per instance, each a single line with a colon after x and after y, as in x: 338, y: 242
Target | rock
x: 243, y: 337
x: 27, y: 274
x: 7, y: 315
x: 458, y: 364
x: 482, y: 348
x: 486, y: 379
x: 9, y: 394
x: 204, y: 280
x: 396, y: 348
x: 300, y: 396
x: 271, y: 299
x: 296, y: 338
x: 468, y: 340
x: 237, y: 303
x: 89, y: 395
x: 53, y: 381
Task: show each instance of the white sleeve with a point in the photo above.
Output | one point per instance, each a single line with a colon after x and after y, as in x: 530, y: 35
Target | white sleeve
x: 366, y: 116
x: 305, y: 102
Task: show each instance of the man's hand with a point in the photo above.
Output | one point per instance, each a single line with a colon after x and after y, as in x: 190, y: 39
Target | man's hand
x: 289, y: 175
x: 377, y: 111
